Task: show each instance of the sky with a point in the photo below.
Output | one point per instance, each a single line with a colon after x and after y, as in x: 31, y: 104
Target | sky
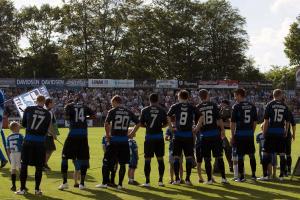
x: 268, y: 23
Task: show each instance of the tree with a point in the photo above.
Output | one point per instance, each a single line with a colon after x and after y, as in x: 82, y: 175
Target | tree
x: 9, y: 38
x: 292, y: 43
x: 250, y: 73
x: 41, y: 29
x: 282, y: 77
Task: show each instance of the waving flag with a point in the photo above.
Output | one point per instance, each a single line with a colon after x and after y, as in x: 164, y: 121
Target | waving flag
x: 28, y: 99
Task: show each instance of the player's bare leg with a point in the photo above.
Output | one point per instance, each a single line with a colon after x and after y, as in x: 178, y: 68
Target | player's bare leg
x: 199, y: 170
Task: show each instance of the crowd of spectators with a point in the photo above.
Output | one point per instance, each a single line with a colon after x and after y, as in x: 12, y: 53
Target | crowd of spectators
x: 136, y: 99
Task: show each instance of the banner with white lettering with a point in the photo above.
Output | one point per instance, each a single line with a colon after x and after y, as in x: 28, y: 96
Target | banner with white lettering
x: 101, y: 83
x: 76, y: 83
x: 28, y: 99
x: 167, y: 84
x: 124, y: 83
x: 7, y: 82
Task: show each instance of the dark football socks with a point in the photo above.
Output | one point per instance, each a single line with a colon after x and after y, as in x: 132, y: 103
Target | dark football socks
x: 38, y: 177
x: 241, y: 167
x: 289, y: 163
x: 221, y: 167
x: 64, y: 170
x: 122, y: 172
x: 253, y: 165
x: 147, y: 170
x: 208, y: 168
x: 13, y: 179
x: 83, y: 171
x: 282, y: 165
x: 161, y: 169
x: 176, y: 168
x: 189, y: 165
x: 23, y: 176
x: 265, y: 162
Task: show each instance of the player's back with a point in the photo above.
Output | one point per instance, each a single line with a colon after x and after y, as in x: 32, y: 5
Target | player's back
x: 120, y: 119
x: 77, y: 114
x: 185, y: 115
x: 36, y: 120
x: 211, y: 115
x: 244, y: 114
x: 154, y: 119
x: 277, y: 114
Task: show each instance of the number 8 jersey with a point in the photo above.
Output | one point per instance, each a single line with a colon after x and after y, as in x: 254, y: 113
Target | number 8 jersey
x: 120, y: 119
x: 185, y: 114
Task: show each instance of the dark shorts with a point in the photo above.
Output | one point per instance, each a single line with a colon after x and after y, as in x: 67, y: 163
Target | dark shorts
x: 118, y: 152
x: 244, y: 146
x: 275, y: 144
x: 183, y: 144
x: 76, y: 148
x: 213, y: 145
x: 33, y: 154
x: 49, y: 144
x: 152, y: 147
x: 288, y: 146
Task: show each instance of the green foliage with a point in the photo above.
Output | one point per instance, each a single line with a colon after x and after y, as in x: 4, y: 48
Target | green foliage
x: 181, y: 39
x: 9, y: 37
x: 282, y: 77
x: 292, y: 43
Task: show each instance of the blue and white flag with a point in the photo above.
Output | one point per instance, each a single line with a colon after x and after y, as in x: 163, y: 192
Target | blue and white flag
x: 28, y: 99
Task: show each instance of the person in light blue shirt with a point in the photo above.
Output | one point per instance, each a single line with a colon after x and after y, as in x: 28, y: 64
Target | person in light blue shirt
x: 14, y: 147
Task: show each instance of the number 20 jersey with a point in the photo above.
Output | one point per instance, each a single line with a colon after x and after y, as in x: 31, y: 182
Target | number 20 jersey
x: 120, y: 119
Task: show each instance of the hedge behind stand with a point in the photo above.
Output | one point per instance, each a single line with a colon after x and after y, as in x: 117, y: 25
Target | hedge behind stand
x: 296, y: 171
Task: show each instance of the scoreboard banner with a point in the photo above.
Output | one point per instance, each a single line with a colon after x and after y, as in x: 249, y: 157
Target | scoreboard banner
x: 167, y: 84
x: 28, y: 99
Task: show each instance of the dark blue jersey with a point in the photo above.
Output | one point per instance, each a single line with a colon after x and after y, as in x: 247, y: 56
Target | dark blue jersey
x: 120, y: 119
x: 185, y: 115
x: 14, y: 142
x: 77, y: 115
x: 36, y: 120
x: 211, y: 115
x: 154, y: 119
x: 244, y: 114
x: 277, y: 113
x: 292, y: 123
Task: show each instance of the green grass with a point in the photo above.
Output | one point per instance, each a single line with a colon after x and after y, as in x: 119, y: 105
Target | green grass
x: 249, y: 190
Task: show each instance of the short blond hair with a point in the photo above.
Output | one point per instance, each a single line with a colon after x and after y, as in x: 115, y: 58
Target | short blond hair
x: 14, y: 125
x: 277, y: 93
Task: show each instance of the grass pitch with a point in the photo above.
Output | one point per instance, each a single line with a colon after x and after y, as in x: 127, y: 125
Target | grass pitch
x: 51, y: 180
